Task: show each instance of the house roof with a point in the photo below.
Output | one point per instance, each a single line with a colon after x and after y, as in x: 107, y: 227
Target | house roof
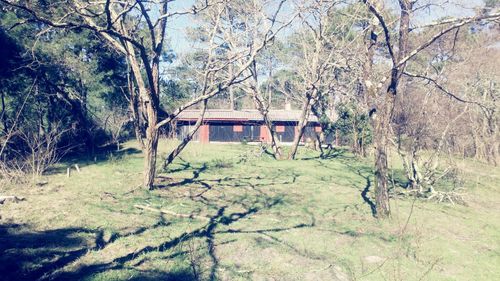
x: 243, y: 115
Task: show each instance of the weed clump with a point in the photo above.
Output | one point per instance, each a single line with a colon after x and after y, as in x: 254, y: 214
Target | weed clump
x: 221, y: 164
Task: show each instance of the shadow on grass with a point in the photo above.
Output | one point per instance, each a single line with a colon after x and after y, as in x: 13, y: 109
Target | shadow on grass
x: 28, y: 255
x: 226, y: 181
x: 207, y: 232
x: 365, y: 173
x: 332, y: 153
x: 34, y: 255
x: 101, y: 156
x: 55, y: 254
x: 105, y: 155
x: 184, y: 165
x: 154, y: 275
x: 185, y: 181
x: 365, y: 196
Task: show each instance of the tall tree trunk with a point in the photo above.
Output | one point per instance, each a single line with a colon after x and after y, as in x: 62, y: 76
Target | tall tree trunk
x: 381, y: 143
x: 306, y: 107
x: 152, y: 105
x: 149, y: 101
x: 385, y: 108
x: 151, y: 147
x: 152, y: 102
x: 134, y: 109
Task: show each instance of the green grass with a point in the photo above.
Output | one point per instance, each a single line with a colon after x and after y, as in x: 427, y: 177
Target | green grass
x: 269, y: 220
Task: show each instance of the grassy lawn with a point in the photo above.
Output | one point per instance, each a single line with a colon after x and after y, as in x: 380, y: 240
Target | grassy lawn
x: 265, y: 220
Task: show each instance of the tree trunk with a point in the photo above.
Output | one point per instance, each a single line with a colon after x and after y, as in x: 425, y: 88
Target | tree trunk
x: 231, y: 98
x: 150, y: 147
x: 301, y: 126
x: 3, y: 114
x: 380, y: 138
x: 263, y: 109
x: 134, y: 109
x: 275, y: 145
x: 149, y: 100
x: 187, y: 139
x: 355, y: 136
x: 268, y: 87
x: 411, y: 168
x: 383, y: 117
x: 231, y: 89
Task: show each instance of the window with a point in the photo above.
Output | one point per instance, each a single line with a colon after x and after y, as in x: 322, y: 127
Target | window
x: 280, y: 129
x: 238, y: 128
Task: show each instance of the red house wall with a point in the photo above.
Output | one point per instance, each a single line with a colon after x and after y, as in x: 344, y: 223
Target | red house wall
x: 264, y: 134
x: 205, y: 133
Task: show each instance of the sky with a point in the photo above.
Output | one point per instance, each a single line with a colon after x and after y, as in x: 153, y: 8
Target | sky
x: 448, y: 8
x: 177, y: 40
x: 177, y: 25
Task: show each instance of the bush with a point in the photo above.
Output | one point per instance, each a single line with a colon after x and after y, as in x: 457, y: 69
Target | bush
x: 32, y: 153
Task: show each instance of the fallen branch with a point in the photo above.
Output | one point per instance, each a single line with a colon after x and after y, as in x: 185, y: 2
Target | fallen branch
x: 452, y: 197
x: 167, y: 212
x: 14, y: 199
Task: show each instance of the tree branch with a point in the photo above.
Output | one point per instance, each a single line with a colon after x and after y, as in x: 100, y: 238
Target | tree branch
x: 443, y: 89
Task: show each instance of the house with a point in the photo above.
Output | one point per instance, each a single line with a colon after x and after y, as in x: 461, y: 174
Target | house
x: 247, y: 125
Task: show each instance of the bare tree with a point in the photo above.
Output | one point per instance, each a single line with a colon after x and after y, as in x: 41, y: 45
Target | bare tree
x: 233, y: 50
x: 137, y: 30
x: 263, y: 107
x: 400, y: 53
x: 444, y: 104
x: 114, y: 123
x: 324, y: 48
